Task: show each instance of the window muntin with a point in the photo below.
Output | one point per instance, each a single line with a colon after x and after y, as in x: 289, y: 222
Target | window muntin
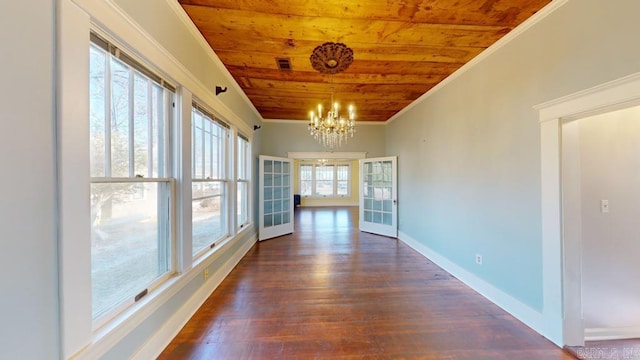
x: 325, y: 180
x: 209, y: 184
x: 242, y: 194
x: 130, y: 189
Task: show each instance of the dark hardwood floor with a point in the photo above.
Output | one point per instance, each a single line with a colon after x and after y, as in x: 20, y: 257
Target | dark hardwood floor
x: 329, y: 291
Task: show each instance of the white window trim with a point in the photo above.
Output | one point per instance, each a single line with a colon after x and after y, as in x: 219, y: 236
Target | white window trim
x: 164, y: 169
x: 240, y: 226
x: 226, y: 167
x: 314, y: 194
x: 75, y: 20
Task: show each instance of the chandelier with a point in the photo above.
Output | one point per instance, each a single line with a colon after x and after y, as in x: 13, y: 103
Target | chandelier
x: 330, y: 128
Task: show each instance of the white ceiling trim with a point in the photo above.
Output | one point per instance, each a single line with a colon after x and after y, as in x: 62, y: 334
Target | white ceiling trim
x: 524, y: 26
x: 305, y: 122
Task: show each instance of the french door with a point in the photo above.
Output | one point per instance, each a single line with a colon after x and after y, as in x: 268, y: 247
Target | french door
x: 378, y: 196
x: 276, y: 197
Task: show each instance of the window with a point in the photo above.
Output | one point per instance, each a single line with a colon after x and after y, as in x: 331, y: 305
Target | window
x: 306, y: 179
x: 209, y: 183
x: 130, y: 112
x: 325, y: 180
x: 243, y: 163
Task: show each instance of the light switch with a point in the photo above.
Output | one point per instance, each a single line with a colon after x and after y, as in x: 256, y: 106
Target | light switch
x: 604, y: 206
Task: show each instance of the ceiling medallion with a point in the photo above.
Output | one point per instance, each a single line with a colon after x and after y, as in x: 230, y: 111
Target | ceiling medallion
x: 330, y: 128
x: 331, y: 58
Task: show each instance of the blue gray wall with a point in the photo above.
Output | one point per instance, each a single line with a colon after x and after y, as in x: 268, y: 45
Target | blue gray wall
x: 469, y: 155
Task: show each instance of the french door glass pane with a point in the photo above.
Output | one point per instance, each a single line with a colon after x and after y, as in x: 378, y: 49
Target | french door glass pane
x: 377, y: 192
x: 128, y: 240
x: 276, y: 193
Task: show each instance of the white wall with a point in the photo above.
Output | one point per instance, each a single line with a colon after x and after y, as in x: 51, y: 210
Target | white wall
x: 610, y: 169
x: 28, y: 280
x: 469, y: 153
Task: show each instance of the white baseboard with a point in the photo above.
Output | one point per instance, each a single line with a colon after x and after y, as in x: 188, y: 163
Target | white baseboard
x: 159, y: 341
x: 508, y: 303
x: 597, y: 334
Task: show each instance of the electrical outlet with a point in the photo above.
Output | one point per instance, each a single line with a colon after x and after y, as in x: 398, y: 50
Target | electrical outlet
x: 205, y: 274
x: 478, y: 259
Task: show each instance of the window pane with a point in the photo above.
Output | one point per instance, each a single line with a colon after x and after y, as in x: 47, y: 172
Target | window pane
x: 158, y: 133
x: 120, y: 131
x: 343, y: 188
x: 305, y: 172
x: 342, y: 175
x: 305, y: 188
x: 197, y: 145
x: 128, y: 241
x: 324, y: 180
x: 97, y: 101
x: 243, y: 159
x: 208, y: 147
x: 242, y: 203
x: 207, y: 151
x: 342, y: 172
x: 207, y: 213
x: 141, y: 125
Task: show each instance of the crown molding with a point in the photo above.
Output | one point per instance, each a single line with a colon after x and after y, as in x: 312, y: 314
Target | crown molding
x: 305, y: 122
x: 117, y: 26
x: 512, y: 35
x: 174, y: 5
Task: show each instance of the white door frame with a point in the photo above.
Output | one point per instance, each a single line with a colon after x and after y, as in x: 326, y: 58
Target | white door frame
x: 561, y: 240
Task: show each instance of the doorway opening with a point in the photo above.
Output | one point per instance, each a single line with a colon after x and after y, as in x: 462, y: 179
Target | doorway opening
x: 561, y: 201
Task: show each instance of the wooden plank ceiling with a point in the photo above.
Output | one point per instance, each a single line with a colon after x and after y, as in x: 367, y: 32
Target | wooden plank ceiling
x: 401, y: 48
